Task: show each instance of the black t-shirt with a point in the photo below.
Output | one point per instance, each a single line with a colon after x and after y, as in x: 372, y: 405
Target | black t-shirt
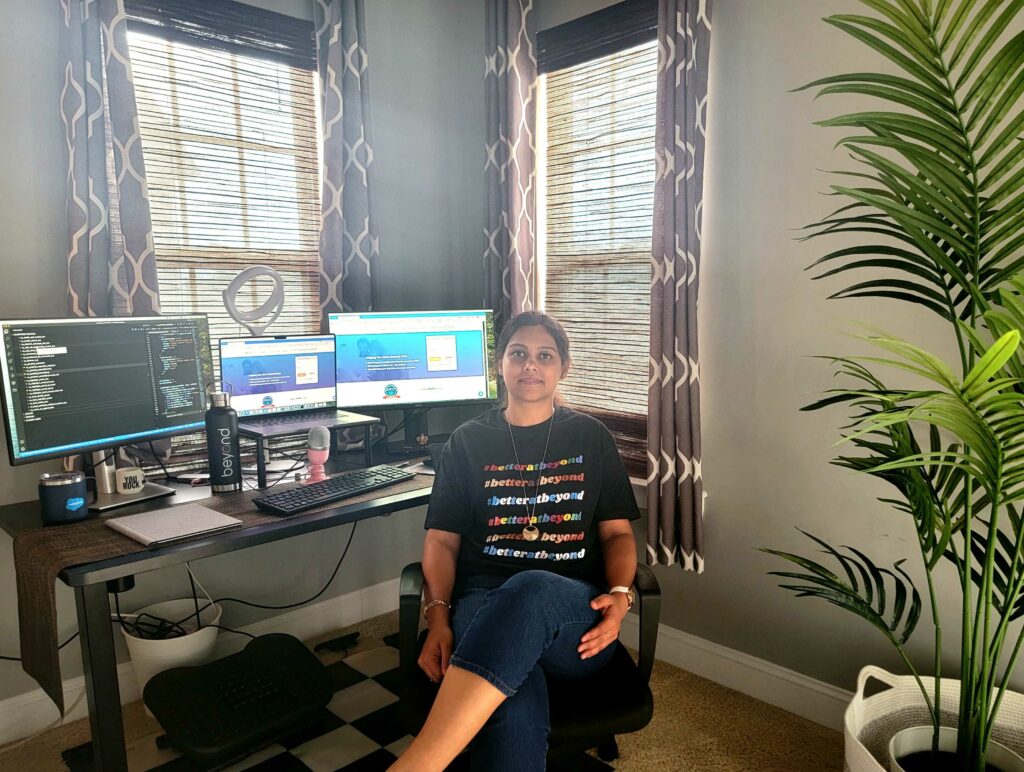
x: 484, y: 495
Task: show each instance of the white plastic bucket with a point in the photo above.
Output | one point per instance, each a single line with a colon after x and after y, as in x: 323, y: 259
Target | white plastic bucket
x: 919, y: 738
x: 152, y: 656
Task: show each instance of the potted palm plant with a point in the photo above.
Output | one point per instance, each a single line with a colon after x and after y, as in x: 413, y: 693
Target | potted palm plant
x: 934, y: 208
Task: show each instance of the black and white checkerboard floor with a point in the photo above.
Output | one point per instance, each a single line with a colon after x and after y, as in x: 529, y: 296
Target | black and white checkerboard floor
x: 359, y: 731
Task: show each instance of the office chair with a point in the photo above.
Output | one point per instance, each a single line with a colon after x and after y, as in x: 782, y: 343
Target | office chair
x: 585, y: 713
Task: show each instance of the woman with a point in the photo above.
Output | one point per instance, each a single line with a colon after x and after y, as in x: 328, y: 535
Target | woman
x: 527, y: 561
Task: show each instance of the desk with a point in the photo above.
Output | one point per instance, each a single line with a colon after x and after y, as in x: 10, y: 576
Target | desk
x: 89, y: 581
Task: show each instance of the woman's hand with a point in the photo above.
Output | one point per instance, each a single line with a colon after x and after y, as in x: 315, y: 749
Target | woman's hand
x: 436, y: 651
x: 613, y: 608
x: 440, y: 553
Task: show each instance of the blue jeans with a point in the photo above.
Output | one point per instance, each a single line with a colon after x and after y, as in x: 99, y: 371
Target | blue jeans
x: 511, y: 634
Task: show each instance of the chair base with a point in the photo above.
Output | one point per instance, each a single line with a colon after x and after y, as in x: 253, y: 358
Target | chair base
x: 608, y: 750
x: 566, y: 760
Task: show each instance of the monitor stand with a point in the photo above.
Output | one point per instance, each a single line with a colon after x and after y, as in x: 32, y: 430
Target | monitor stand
x: 414, y: 426
x: 107, y: 497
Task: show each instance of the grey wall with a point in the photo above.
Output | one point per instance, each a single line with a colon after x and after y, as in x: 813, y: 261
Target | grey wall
x: 32, y: 215
x: 428, y: 122
x: 765, y: 463
x: 426, y: 60
x: 761, y: 318
x: 32, y: 224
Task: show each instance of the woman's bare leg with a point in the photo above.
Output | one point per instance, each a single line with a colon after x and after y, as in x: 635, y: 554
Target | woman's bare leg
x: 464, y: 703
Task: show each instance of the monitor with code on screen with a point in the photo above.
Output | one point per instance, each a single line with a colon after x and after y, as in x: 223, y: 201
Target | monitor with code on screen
x: 74, y: 385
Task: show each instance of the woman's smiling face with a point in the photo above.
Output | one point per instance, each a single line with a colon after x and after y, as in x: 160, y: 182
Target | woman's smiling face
x: 531, y: 365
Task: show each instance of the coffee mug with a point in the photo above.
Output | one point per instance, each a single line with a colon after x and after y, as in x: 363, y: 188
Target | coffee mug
x: 130, y: 479
x: 62, y: 497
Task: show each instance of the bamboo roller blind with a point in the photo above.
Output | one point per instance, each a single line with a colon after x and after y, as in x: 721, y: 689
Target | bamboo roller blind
x: 599, y: 204
x: 232, y: 166
x: 230, y: 142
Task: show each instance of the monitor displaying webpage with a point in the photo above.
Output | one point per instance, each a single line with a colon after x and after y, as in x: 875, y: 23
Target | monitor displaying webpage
x: 278, y: 375
x: 392, y: 359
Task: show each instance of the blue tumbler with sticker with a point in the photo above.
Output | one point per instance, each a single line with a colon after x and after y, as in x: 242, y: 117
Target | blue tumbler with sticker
x: 62, y: 498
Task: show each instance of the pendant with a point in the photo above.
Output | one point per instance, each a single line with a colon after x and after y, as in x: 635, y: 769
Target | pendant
x: 531, y: 533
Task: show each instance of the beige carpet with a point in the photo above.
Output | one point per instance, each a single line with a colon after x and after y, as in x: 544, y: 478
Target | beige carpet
x: 698, y: 726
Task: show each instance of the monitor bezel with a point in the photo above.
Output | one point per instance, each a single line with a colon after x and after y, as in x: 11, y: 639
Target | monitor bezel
x: 98, y: 444
x: 490, y: 354
x: 286, y: 336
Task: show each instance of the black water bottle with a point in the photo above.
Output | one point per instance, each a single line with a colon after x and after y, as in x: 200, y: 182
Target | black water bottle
x: 222, y: 444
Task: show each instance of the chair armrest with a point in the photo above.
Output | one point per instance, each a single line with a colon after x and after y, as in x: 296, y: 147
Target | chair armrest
x: 410, y: 594
x: 649, y: 604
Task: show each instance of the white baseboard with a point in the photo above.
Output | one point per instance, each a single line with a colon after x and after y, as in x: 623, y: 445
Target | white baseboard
x: 32, y: 712
x: 814, y: 700
x: 320, y: 618
x: 29, y: 713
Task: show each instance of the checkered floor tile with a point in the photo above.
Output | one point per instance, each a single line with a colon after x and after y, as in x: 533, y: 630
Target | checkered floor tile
x: 360, y: 730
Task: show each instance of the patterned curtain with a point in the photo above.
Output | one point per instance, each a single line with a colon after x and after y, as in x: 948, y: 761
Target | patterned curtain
x: 674, y: 485
x: 510, y: 82
x: 349, y: 250
x: 111, y: 263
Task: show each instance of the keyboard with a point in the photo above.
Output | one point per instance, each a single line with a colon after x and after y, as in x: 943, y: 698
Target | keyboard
x: 341, y: 486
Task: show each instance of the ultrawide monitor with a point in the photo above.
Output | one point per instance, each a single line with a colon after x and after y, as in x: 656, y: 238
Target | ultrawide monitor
x: 409, y: 358
x: 73, y: 385
x: 278, y: 374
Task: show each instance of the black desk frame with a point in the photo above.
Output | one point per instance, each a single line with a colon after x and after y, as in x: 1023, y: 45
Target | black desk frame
x: 93, y: 581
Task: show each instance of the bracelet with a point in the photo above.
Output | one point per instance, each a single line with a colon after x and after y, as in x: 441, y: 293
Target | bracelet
x: 627, y: 591
x: 433, y: 603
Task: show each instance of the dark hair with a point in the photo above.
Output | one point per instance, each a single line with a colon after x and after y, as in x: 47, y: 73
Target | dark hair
x: 534, y: 319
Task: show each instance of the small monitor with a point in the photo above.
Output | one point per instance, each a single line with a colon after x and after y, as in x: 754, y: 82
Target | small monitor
x: 414, y: 358
x: 74, y: 385
x: 279, y: 374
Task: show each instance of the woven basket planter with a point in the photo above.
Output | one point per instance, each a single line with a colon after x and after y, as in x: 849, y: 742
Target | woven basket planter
x: 870, y: 722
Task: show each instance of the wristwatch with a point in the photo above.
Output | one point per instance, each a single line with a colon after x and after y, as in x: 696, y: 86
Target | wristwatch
x: 629, y: 594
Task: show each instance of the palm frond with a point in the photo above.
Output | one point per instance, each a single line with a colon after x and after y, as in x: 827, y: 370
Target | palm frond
x: 943, y: 154
x: 984, y: 411
x: 864, y: 591
x: 1008, y: 596
x: 932, y: 213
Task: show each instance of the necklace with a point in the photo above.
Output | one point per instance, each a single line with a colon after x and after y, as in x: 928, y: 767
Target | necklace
x: 531, y: 532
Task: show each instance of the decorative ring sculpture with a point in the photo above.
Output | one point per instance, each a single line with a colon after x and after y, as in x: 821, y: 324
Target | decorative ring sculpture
x: 273, y: 305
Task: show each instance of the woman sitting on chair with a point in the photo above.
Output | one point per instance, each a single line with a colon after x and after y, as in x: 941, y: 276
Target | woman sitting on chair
x: 527, y: 562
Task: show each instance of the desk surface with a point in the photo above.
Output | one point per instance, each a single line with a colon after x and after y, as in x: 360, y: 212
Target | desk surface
x: 23, y: 517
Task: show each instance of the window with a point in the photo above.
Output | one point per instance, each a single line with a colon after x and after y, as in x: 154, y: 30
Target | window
x: 228, y: 111
x: 230, y: 144
x: 597, y: 169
